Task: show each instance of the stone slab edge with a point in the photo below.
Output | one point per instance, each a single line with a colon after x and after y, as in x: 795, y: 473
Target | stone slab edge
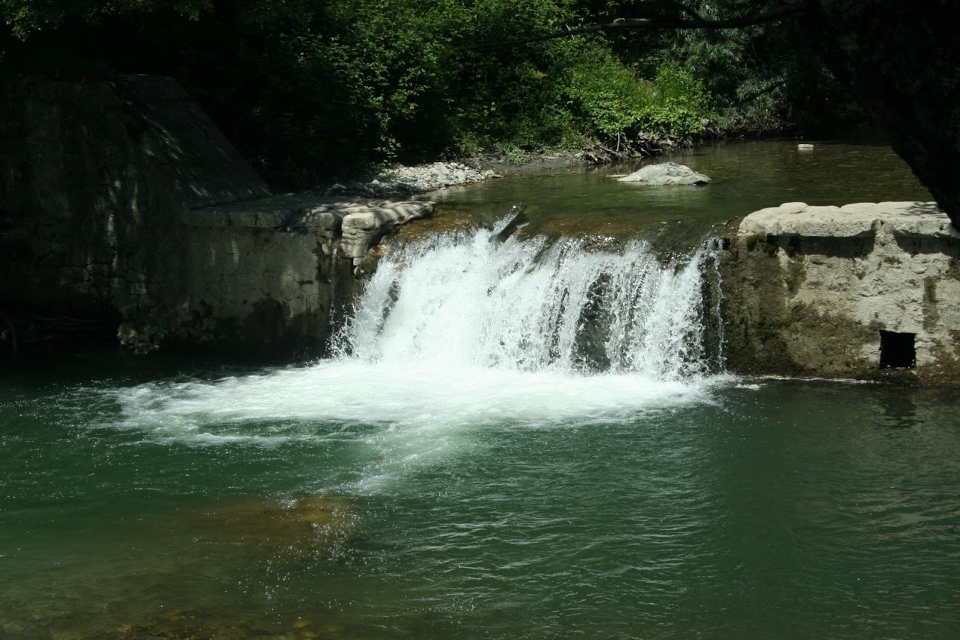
x: 358, y: 223
x: 856, y: 220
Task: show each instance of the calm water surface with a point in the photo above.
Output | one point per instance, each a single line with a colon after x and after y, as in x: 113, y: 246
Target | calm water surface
x: 427, y: 492
x: 745, y: 177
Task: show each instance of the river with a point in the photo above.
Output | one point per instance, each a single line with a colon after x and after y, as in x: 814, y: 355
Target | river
x: 528, y: 439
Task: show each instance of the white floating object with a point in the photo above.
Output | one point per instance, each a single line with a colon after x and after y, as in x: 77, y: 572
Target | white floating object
x: 805, y: 147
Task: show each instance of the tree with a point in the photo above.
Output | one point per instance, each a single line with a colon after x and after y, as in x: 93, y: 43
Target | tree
x: 307, y: 88
x: 25, y: 17
x: 899, y: 60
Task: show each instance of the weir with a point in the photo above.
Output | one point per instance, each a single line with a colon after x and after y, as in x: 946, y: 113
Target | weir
x: 535, y: 305
x: 460, y: 331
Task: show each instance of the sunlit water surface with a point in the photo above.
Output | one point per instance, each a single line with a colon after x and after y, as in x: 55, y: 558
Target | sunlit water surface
x: 745, y: 177
x: 655, y: 511
x: 519, y: 440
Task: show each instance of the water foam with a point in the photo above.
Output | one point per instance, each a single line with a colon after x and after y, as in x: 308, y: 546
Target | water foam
x: 529, y: 306
x: 462, y: 333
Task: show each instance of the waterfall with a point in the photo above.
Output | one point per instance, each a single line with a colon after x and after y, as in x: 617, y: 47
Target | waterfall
x: 459, y: 334
x: 461, y: 299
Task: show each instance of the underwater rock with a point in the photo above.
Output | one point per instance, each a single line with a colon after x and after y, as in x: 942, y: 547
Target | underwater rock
x: 445, y: 219
x: 666, y: 173
x: 201, y: 624
x: 200, y: 572
x: 287, y: 531
x: 517, y: 222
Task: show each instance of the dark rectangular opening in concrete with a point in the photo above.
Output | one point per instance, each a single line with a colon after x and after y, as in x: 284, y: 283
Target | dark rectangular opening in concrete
x: 897, y: 350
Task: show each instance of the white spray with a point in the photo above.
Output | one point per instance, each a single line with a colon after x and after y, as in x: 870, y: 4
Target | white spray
x: 462, y: 300
x: 459, y: 335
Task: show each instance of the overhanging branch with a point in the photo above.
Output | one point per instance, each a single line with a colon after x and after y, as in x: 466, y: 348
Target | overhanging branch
x: 694, y: 22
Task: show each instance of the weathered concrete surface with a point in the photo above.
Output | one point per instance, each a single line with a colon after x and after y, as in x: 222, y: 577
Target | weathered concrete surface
x: 807, y: 290
x: 275, y: 274
x: 92, y: 176
x: 666, y: 173
x: 359, y: 223
x: 124, y: 211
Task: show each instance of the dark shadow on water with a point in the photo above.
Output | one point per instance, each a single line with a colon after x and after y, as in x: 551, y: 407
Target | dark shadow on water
x: 896, y: 408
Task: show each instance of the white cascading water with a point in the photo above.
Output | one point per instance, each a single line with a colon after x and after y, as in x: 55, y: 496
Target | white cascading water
x: 459, y: 335
x: 526, y: 306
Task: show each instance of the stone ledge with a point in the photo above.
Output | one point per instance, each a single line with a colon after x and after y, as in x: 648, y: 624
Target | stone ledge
x: 358, y: 222
x: 857, y: 291
x: 859, y: 220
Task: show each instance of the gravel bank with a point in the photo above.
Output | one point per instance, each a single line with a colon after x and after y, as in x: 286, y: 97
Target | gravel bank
x: 409, y: 181
x: 406, y: 181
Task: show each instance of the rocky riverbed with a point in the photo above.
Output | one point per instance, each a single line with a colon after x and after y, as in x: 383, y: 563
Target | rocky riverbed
x: 406, y: 181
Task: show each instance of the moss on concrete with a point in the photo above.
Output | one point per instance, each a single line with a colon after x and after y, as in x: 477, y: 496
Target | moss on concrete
x: 807, y: 291
x: 754, y: 308
x: 765, y: 333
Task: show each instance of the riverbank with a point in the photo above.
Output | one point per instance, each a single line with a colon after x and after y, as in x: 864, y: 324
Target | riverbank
x: 403, y: 181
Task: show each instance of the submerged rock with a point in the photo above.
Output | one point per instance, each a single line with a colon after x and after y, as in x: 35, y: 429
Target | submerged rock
x: 199, y: 572
x: 288, y: 531
x: 517, y: 222
x: 666, y: 173
x: 444, y: 219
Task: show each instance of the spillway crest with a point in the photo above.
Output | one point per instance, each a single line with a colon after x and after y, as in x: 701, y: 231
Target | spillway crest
x: 463, y: 299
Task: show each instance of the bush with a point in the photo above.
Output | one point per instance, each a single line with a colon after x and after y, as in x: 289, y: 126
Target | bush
x: 615, y: 102
x: 314, y: 89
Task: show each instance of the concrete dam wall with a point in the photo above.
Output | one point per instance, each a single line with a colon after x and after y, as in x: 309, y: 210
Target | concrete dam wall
x: 859, y: 291
x: 125, y: 212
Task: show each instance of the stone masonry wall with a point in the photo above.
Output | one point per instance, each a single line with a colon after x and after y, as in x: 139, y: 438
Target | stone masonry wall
x: 275, y: 275
x: 811, y: 290
x: 92, y: 177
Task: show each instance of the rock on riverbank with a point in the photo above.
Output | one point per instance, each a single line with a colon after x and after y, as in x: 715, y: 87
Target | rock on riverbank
x: 413, y: 180
x: 666, y: 173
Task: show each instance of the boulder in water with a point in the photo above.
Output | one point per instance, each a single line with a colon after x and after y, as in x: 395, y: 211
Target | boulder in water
x: 666, y: 173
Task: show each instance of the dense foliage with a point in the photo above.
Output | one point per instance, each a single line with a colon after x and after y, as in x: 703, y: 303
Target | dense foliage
x: 310, y: 89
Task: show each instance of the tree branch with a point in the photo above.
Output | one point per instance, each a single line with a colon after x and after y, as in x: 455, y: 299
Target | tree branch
x: 757, y: 94
x: 695, y: 22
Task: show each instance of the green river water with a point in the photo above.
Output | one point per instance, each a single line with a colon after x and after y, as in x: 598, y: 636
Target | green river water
x: 745, y: 177
x: 467, y: 483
